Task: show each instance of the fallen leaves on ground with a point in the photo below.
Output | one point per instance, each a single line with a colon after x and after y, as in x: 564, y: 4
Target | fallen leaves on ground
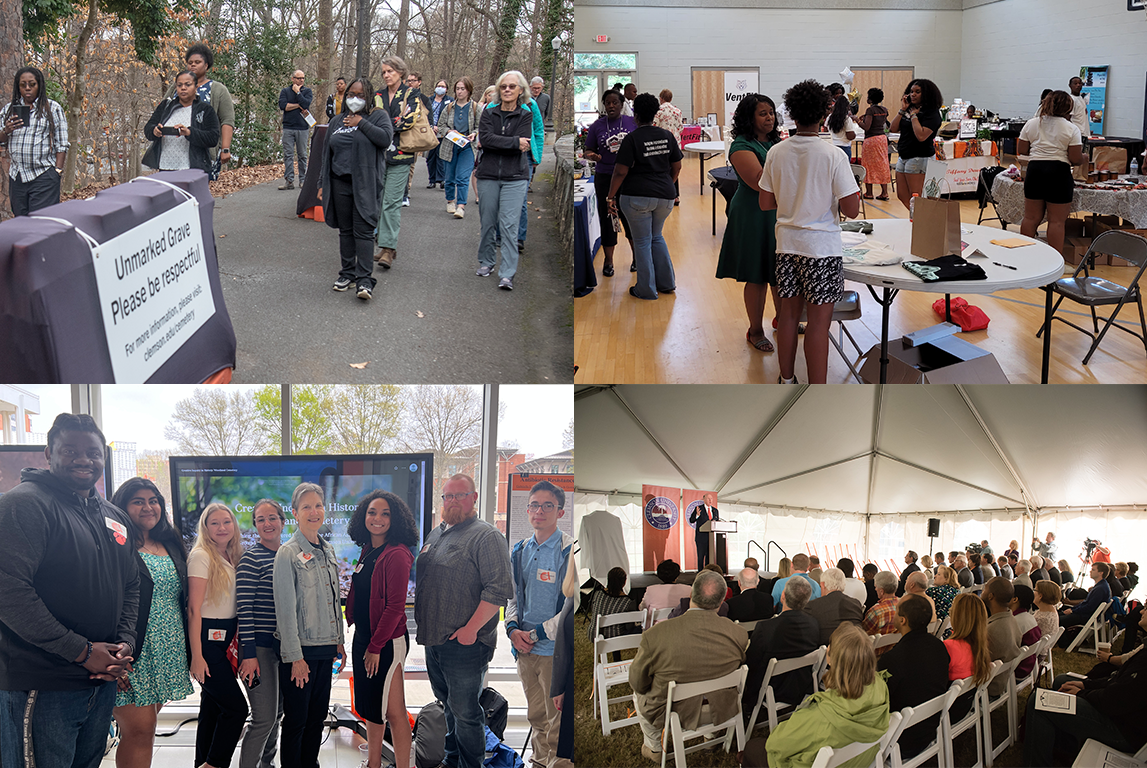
x: 360, y: 366
x: 230, y: 181
x: 417, y: 312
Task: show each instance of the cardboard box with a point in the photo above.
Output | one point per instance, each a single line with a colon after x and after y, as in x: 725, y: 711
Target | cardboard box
x: 1074, y: 228
x: 947, y: 360
x: 1097, y: 225
x: 1074, y: 248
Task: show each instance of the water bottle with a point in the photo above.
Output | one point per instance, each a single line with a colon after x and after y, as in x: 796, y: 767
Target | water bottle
x: 337, y: 666
x: 912, y: 205
x: 1134, y: 170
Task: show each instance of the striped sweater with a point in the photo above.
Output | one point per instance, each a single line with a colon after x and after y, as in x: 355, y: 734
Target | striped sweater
x: 256, y: 599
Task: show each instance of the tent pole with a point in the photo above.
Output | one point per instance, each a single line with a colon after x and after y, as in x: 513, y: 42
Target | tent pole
x: 952, y: 479
x: 999, y: 451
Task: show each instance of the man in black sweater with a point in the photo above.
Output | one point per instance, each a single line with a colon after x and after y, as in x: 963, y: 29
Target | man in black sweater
x: 68, y: 604
x: 910, y: 561
x: 918, y: 666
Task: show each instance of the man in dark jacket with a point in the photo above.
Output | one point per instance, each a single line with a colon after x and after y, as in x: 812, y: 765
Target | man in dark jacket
x: 918, y: 666
x: 67, y: 607
x: 1080, y: 612
x: 752, y: 604
x: 701, y: 514
x: 910, y: 560
x: 833, y: 606
x: 793, y: 633
x: 295, y: 104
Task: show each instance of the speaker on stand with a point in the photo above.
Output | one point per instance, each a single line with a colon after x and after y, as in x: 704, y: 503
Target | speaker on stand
x: 933, y: 532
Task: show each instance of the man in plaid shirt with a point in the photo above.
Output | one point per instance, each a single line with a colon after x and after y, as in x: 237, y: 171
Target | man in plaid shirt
x: 37, y: 148
x: 881, y: 618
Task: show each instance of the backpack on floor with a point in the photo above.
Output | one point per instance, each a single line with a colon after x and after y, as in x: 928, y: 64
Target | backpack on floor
x: 498, y: 755
x: 430, y: 736
x: 497, y: 711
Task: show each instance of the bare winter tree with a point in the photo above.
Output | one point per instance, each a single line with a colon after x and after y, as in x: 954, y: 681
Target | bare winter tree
x: 215, y: 422
x: 365, y: 418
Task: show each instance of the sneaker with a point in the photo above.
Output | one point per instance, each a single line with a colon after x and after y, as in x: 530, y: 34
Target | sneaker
x: 386, y: 257
x: 288, y: 185
x: 484, y: 271
x: 781, y: 380
x: 460, y: 212
x: 450, y: 207
x: 432, y: 185
x: 364, y: 292
x: 506, y: 283
x: 406, y: 202
x: 342, y: 284
x: 521, y: 245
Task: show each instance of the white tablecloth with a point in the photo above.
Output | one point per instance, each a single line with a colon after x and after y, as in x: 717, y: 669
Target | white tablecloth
x: 1130, y: 204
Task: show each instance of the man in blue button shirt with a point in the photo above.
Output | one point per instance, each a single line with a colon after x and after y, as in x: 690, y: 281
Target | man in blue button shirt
x: 539, y: 567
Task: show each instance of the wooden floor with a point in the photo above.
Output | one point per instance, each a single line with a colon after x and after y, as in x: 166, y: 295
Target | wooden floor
x: 698, y: 334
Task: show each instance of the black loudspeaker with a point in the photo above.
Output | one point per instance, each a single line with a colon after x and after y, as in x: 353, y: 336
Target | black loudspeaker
x: 933, y: 527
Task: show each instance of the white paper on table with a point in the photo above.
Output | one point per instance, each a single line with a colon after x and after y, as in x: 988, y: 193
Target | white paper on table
x: 457, y: 138
x: 1053, y: 701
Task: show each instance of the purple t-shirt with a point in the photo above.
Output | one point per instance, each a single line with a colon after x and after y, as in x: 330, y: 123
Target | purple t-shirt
x: 605, y: 137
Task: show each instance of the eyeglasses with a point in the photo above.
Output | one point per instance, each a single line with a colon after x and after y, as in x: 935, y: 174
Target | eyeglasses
x: 548, y: 507
x: 456, y: 496
x: 507, y: 87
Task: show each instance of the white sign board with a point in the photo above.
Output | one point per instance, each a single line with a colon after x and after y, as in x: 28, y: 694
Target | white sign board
x: 737, y: 85
x: 154, y: 291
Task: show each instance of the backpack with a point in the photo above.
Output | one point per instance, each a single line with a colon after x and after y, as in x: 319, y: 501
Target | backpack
x: 498, y: 755
x: 497, y: 711
x: 430, y: 735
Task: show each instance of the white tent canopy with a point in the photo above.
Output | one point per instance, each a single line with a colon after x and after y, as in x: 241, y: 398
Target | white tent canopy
x: 869, y: 465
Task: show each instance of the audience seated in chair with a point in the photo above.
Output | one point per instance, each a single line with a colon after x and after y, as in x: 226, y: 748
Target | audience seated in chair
x: 868, y: 572
x: 964, y: 575
x: 800, y: 570
x: 612, y: 599
x: 833, y: 606
x: 1030, y: 631
x: 668, y: 593
x: 1003, y: 633
x: 910, y: 568
x: 917, y: 584
x: 752, y: 604
x: 881, y: 618
x: 1022, y: 569
x: 968, y: 653
x: 854, y: 588
x: 794, y: 633
x: 1079, y: 611
x: 943, y: 591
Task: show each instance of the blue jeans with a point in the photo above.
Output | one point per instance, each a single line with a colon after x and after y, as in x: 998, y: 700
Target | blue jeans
x: 434, y: 166
x: 500, y: 204
x: 456, y: 673
x: 458, y: 170
x: 524, y: 221
x: 69, y: 729
x: 646, y: 216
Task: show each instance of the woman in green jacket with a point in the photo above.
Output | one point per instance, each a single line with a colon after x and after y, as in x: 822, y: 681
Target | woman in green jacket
x: 853, y: 709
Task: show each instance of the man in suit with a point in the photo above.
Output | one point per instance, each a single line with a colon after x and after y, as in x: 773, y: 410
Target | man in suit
x: 1022, y: 577
x: 703, y: 513
x: 1038, y: 571
x: 833, y: 606
x: 869, y: 572
x: 910, y: 560
x: 918, y: 666
x: 963, y: 573
x: 700, y: 645
x: 793, y: 633
x: 752, y: 604
x: 814, y: 569
x: 1003, y: 632
x: 1081, y: 611
x: 917, y: 584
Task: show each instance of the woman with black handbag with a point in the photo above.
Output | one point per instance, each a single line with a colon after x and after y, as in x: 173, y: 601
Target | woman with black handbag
x: 401, y: 102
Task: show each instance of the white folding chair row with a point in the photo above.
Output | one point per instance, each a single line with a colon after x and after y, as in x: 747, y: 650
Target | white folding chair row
x: 599, y: 659
x: 988, y: 705
x: 1045, y: 663
x: 883, y: 641
x: 974, y: 719
x: 973, y: 588
x: 1092, y: 630
x: 613, y: 619
x: 828, y: 757
x: 655, y: 615
x: 606, y: 675
x: 813, y: 660
x: 1096, y: 753
x: 945, y: 625
x: 748, y: 625
x: 674, y: 734
x: 911, y: 716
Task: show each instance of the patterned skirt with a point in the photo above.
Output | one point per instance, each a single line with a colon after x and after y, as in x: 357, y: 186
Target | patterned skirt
x: 874, y: 158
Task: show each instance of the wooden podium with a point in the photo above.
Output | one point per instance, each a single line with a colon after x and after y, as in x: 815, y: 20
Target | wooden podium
x: 717, y: 529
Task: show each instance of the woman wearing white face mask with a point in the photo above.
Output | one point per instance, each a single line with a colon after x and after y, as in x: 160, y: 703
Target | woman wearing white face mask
x: 354, y: 169
x: 434, y: 164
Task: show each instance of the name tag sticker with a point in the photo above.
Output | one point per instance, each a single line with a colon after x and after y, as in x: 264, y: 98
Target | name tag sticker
x: 547, y: 576
x: 118, y: 529
x: 358, y: 568
x: 305, y: 557
x: 217, y: 635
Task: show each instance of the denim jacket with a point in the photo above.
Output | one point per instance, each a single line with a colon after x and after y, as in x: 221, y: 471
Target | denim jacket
x: 306, y: 585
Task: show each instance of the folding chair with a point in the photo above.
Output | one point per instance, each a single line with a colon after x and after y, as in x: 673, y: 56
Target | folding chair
x: 1028, y: 680
x: 748, y: 625
x: 945, y: 625
x: 911, y: 716
x: 1045, y: 663
x: 1006, y: 699
x: 883, y: 641
x: 676, y: 735
x: 860, y: 174
x: 813, y: 660
x: 656, y: 615
x: 1091, y: 630
x: 1095, y: 292
x: 848, y: 308
x: 606, y: 675
x: 1096, y: 753
x: 974, y: 719
x: 828, y: 757
x: 612, y: 619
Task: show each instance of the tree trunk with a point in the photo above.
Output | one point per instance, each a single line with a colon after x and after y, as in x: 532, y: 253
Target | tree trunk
x: 323, y: 67
x: 11, y: 58
x: 76, y: 98
x: 212, y: 30
x: 504, y: 37
x: 403, y: 26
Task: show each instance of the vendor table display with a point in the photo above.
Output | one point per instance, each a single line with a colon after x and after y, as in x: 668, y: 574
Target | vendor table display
x: 1129, y: 203
x: 965, y: 159
x: 587, y: 236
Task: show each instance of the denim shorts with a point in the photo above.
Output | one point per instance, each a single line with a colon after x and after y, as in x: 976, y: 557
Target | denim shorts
x: 912, y: 164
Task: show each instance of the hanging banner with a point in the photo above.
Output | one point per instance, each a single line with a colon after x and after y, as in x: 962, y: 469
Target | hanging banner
x: 737, y: 85
x: 518, y: 518
x: 691, y: 500
x: 1094, y: 94
x: 661, y: 513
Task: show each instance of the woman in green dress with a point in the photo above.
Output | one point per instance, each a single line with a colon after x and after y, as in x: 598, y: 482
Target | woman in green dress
x: 749, y: 247
x: 159, y: 673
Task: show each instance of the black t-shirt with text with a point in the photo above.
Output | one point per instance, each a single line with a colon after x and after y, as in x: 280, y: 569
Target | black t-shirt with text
x: 909, y: 146
x: 650, y: 153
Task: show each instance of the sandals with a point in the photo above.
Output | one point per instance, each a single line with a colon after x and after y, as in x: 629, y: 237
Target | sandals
x: 607, y: 270
x: 868, y: 196
x: 885, y: 198
x: 763, y: 344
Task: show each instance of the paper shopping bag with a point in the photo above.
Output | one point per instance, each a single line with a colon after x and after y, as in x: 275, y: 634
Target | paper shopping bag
x: 935, y: 228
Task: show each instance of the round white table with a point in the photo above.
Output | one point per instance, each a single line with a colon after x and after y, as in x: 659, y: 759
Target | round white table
x: 705, y: 150
x: 1031, y: 266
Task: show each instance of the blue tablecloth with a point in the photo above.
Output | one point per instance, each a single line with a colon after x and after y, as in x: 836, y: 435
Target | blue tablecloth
x: 587, y: 236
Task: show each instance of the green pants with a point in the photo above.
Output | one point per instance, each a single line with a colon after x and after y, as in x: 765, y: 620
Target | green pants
x: 391, y: 205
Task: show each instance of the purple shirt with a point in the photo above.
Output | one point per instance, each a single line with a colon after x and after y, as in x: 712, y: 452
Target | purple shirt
x: 605, y: 136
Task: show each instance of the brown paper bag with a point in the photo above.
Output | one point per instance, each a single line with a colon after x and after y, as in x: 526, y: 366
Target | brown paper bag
x: 935, y: 228
x: 1110, y: 158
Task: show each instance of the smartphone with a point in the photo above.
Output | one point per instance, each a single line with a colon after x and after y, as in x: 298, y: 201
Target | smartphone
x: 254, y: 683
x: 24, y: 112
x: 169, y: 130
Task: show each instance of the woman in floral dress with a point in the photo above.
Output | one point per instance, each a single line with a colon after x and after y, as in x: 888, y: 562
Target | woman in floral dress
x: 159, y: 672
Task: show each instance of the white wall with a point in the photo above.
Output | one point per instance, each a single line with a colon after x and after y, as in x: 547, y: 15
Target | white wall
x: 788, y: 45
x: 1013, y: 49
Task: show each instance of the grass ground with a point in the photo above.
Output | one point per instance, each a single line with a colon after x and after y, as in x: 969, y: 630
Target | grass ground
x: 622, y: 749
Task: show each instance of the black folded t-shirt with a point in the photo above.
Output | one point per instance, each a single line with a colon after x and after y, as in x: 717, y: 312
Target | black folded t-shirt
x: 950, y: 267
x: 649, y: 152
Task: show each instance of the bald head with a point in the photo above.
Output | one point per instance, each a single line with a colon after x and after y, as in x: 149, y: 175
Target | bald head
x: 708, y: 590
x: 748, y: 578
x: 916, y: 583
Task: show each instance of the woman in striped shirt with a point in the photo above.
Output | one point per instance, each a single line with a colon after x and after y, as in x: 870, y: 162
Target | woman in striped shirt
x: 260, y: 667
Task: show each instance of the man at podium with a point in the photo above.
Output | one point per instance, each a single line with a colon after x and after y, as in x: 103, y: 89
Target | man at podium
x: 703, y: 513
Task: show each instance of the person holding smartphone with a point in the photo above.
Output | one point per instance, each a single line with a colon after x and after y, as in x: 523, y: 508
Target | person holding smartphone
x: 182, y: 130
x: 310, y: 628
x: 36, y: 134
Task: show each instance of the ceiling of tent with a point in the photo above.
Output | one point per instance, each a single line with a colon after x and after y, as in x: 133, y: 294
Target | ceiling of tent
x: 870, y: 450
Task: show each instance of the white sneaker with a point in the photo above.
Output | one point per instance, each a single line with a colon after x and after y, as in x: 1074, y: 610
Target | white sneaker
x: 460, y: 212
x: 450, y: 208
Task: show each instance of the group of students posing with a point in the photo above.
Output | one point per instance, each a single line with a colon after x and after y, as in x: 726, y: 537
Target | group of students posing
x: 282, y: 603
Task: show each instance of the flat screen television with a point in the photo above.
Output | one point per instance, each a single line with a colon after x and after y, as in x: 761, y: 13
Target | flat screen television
x: 14, y: 458
x: 240, y: 481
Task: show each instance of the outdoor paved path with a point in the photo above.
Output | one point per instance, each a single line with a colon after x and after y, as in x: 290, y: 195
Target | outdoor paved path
x: 277, y: 271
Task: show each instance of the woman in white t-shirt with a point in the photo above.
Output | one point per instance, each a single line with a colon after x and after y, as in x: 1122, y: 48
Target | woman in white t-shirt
x: 1054, y: 145
x: 842, y: 126
x: 212, y: 622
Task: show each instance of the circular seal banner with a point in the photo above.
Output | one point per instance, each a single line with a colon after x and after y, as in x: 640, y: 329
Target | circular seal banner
x: 661, y: 513
x: 689, y: 511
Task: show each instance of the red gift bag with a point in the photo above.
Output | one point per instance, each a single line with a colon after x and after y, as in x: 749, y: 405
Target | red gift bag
x: 965, y: 315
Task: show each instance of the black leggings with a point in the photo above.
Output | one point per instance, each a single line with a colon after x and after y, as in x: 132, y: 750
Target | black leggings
x: 601, y: 182
x: 222, y: 706
x: 356, y: 236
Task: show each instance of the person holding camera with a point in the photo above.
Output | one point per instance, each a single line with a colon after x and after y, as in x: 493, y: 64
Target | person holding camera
x: 182, y: 130
x: 36, y: 134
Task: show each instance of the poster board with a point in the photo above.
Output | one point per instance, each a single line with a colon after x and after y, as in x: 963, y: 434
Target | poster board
x: 518, y: 496
x: 661, y: 525
x: 737, y: 86
x: 1095, y: 91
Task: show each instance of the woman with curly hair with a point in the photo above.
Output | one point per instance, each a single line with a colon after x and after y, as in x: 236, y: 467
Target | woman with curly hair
x: 749, y: 247
x: 874, y: 155
x: 1054, y: 144
x: 376, y: 606
x: 918, y: 121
